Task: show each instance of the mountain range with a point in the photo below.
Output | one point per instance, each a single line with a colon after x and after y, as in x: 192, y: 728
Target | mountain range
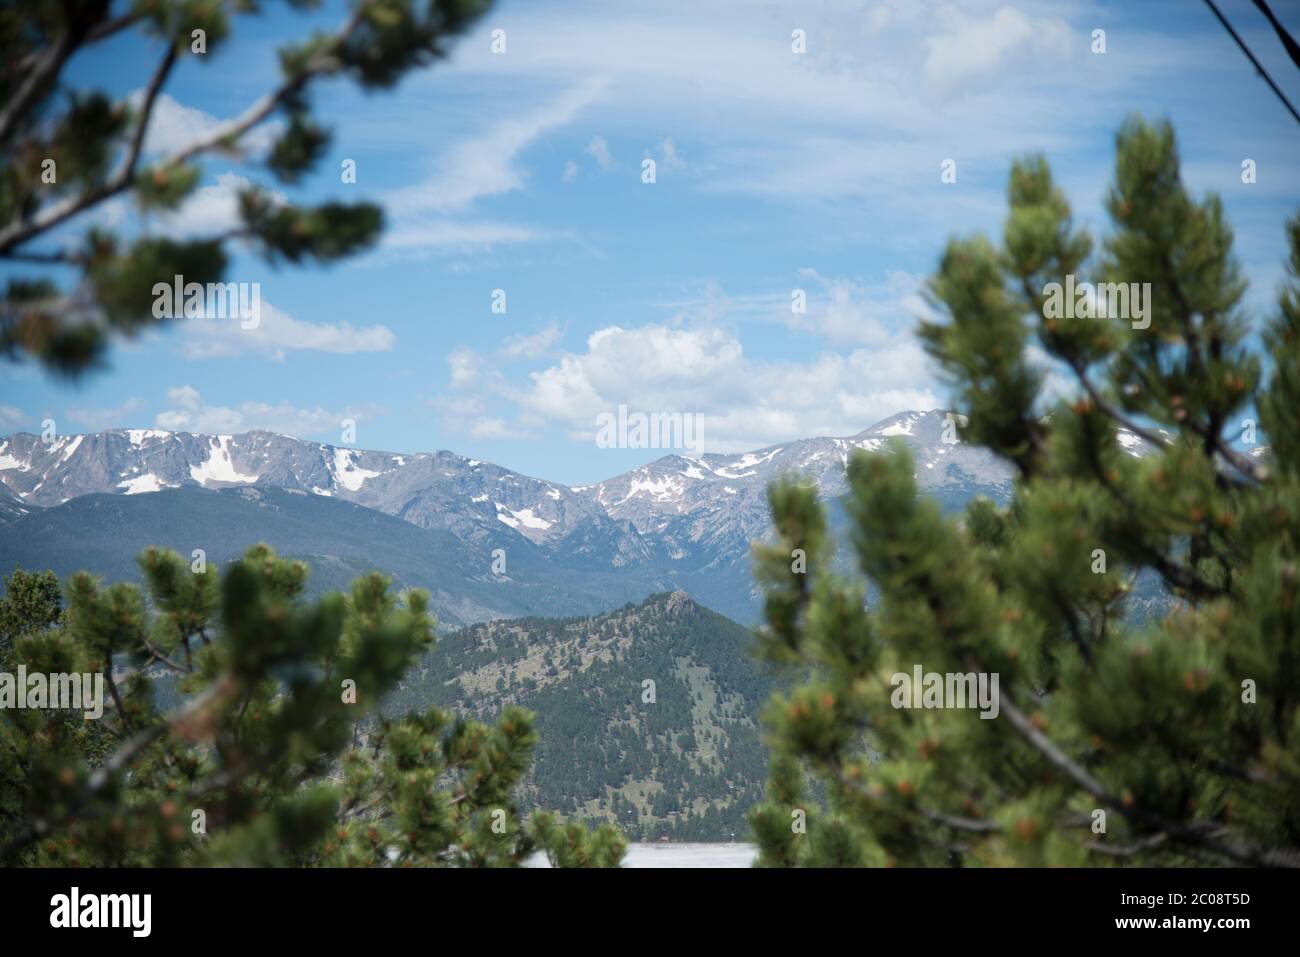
x: 566, y: 600
x: 679, y: 522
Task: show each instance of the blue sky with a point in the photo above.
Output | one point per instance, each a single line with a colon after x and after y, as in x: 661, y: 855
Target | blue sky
x: 775, y: 171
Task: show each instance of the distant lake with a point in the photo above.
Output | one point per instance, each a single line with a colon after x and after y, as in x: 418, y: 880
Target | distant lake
x: 683, y: 855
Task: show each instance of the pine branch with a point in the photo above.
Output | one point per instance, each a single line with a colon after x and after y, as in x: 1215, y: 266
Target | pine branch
x: 20, y: 232
x: 1129, y: 850
x: 1113, y: 412
x: 47, y: 67
x: 156, y: 82
x: 1242, y: 463
x: 103, y: 776
x: 1195, y: 836
x: 159, y: 656
x: 107, y: 28
x: 259, y: 111
x: 1175, y: 575
x: 100, y: 31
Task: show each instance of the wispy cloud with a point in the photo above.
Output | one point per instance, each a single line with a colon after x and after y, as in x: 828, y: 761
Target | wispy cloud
x: 189, y: 412
x: 453, y: 236
x: 11, y: 417
x: 487, y: 164
x: 97, y: 419
x: 439, y: 213
x: 668, y: 155
x: 974, y: 51
x: 278, y: 333
x: 532, y: 345
x: 463, y: 368
x: 598, y: 149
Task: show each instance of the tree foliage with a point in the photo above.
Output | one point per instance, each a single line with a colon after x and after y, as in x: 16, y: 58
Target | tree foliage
x: 1171, y: 741
x: 32, y: 602
x: 243, y: 727
x: 65, y: 151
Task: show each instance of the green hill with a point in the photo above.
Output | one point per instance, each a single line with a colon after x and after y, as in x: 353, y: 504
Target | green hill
x: 690, y: 763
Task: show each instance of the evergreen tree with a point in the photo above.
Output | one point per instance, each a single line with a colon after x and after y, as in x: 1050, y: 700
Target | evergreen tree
x: 242, y: 727
x: 32, y: 602
x: 1173, y: 740
x: 64, y: 152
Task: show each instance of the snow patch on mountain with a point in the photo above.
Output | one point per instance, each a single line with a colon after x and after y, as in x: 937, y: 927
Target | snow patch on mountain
x: 141, y: 483
x: 523, y: 516
x: 346, y: 471
x: 71, y: 449
x: 666, y: 489
x: 218, y: 467
x: 751, y: 459
x: 899, y: 428
x: 137, y: 436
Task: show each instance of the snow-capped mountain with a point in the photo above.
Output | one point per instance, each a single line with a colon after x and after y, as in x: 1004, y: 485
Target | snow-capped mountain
x: 432, y: 490
x: 726, y: 487
x: 11, y: 506
x: 684, y: 520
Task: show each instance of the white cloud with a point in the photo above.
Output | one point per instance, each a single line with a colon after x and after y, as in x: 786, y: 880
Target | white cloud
x: 524, y: 346
x: 438, y: 213
x: 463, y: 414
x: 97, y: 420
x: 278, y: 333
x: 190, y: 413
x: 842, y: 310
x: 463, y: 365
x: 745, y: 403
x: 878, y: 18
x: 668, y: 154
x: 845, y: 310
x: 493, y: 428
x: 885, y: 92
x: 487, y: 165
x: 11, y: 417
x: 598, y: 150
x: 973, y: 49
x: 454, y: 236
x: 570, y: 171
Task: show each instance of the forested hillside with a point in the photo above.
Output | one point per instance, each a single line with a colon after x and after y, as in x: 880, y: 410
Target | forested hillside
x: 681, y: 757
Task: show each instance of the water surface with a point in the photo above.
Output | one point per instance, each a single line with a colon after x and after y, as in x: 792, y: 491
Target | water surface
x: 681, y: 855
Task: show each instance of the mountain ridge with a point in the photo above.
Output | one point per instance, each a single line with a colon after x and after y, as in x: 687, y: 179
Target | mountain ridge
x: 219, y: 468
x: 680, y: 521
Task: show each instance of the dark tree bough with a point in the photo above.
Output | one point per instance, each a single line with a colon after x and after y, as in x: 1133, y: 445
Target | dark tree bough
x: 1174, y: 742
